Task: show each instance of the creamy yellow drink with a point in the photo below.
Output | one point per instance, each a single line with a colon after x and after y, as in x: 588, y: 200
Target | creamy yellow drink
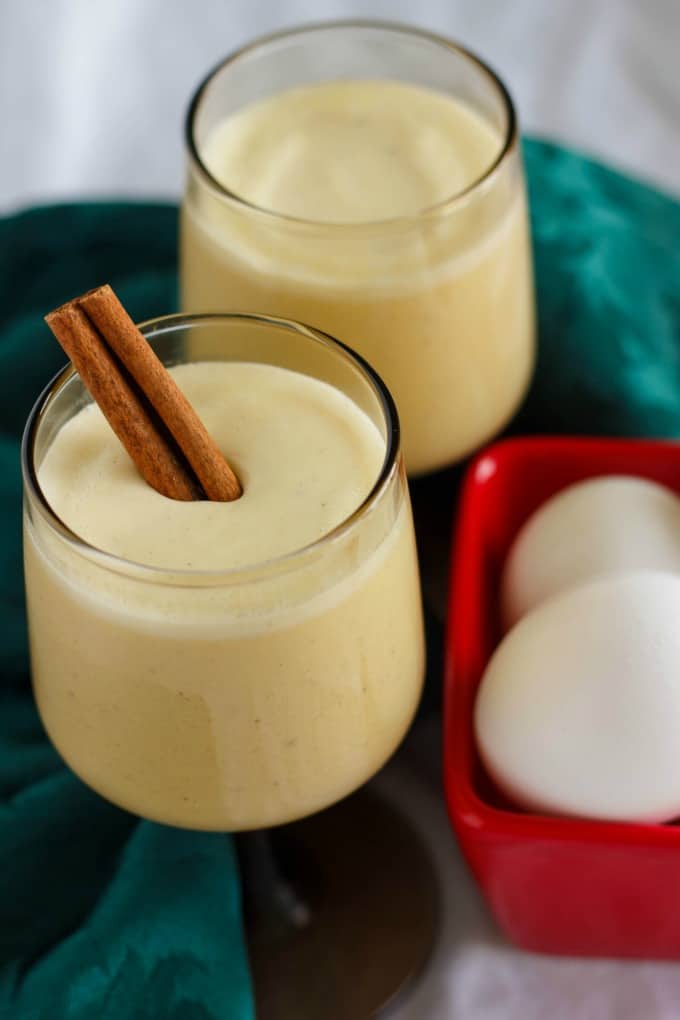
x: 200, y: 689
x: 372, y: 209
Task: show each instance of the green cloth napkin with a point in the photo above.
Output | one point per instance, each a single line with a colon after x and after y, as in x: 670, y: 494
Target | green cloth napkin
x: 607, y: 258
x: 104, y: 916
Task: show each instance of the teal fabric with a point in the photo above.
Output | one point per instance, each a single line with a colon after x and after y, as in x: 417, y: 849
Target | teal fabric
x: 607, y: 257
x: 105, y: 916
x: 101, y: 915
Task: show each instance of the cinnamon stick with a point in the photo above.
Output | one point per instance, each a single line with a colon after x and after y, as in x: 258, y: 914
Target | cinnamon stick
x: 104, y: 309
x: 160, y: 430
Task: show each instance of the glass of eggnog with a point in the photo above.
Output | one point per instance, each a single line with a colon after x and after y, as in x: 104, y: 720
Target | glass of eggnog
x: 232, y: 666
x: 367, y: 178
x: 227, y: 666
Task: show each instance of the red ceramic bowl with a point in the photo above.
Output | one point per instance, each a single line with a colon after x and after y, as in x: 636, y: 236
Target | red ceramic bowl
x: 555, y: 885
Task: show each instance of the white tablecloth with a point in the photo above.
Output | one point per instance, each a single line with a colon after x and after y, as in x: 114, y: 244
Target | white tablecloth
x: 92, y: 99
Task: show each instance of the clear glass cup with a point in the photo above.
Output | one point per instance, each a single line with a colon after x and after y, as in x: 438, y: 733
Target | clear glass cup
x: 441, y: 303
x: 228, y: 700
x: 235, y: 700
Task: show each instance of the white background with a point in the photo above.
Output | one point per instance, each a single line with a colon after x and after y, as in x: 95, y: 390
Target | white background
x: 93, y: 93
x: 92, y: 101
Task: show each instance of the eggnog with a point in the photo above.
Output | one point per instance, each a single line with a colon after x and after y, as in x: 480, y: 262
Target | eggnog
x: 383, y: 213
x: 227, y: 665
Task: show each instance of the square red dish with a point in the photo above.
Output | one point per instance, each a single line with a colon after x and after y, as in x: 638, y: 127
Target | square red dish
x: 554, y: 885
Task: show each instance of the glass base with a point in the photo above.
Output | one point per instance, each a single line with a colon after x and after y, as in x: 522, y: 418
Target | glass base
x: 353, y: 918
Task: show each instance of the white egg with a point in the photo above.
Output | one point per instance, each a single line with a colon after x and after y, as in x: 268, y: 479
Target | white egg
x: 597, y: 527
x: 578, y: 712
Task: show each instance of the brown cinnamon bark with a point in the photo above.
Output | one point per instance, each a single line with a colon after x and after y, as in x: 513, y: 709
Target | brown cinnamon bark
x: 157, y: 425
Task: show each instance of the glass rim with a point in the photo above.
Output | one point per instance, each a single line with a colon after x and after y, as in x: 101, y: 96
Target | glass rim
x: 440, y: 208
x: 182, y: 577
